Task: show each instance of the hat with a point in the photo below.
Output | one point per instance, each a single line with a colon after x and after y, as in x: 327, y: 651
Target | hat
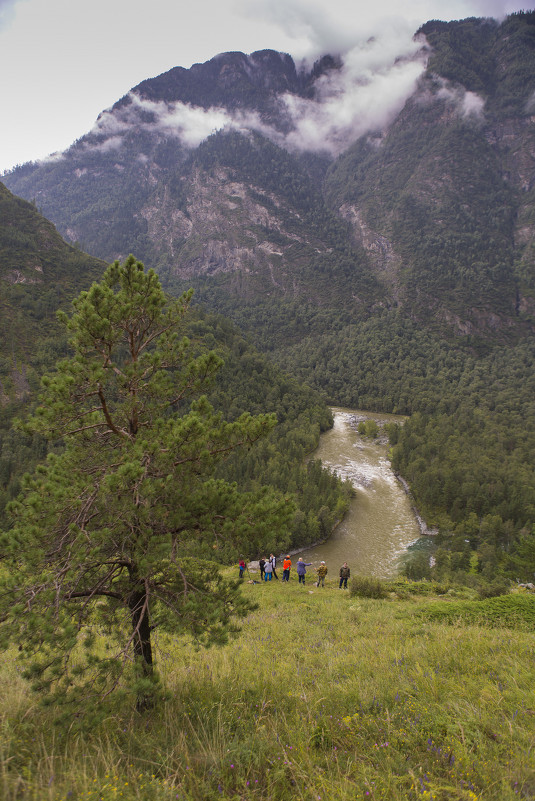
x: 322, y: 562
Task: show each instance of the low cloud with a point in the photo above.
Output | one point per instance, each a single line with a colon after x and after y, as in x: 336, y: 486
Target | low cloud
x: 373, y: 84
x: 472, y: 105
x: 375, y: 79
x: 466, y: 104
x: 106, y: 145
x: 190, y: 124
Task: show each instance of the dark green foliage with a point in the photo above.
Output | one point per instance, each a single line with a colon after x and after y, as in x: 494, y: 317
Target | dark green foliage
x: 39, y: 273
x: 417, y: 567
x: 495, y: 60
x: 368, y: 428
x: 493, y: 589
x: 367, y: 587
x: 507, y: 611
x: 35, y: 341
x: 454, y: 235
x: 248, y: 381
x: 462, y: 51
x: 108, y: 537
x: 467, y: 449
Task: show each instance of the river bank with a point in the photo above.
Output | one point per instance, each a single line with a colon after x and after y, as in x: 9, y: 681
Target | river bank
x: 381, y: 523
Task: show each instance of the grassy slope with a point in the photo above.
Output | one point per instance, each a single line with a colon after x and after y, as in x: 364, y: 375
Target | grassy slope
x: 323, y: 696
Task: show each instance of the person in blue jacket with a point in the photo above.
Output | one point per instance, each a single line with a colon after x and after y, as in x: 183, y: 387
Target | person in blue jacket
x: 302, y: 569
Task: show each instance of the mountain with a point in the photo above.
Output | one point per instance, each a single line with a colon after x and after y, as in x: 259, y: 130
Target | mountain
x: 445, y: 197
x: 369, y: 222
x: 39, y: 273
x: 432, y: 211
x: 236, y: 209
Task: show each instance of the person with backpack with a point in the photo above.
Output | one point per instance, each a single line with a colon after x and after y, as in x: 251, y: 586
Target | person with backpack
x: 322, y: 572
x: 344, y: 575
x: 302, y: 569
x: 261, y: 565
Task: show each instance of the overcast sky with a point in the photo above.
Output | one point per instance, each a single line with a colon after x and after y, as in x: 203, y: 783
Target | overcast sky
x: 64, y: 61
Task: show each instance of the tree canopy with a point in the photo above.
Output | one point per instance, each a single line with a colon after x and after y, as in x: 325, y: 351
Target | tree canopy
x: 106, y: 535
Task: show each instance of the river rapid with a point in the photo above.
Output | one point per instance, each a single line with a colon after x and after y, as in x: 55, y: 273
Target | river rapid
x: 380, y: 524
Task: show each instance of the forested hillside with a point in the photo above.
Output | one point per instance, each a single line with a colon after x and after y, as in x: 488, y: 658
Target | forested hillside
x: 393, y: 272
x: 40, y: 274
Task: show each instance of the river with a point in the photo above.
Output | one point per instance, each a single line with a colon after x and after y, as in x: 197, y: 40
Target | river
x: 380, y: 523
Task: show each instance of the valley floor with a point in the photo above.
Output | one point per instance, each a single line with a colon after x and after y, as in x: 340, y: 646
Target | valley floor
x: 323, y: 697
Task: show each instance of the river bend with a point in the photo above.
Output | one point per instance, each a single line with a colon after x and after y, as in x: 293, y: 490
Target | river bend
x: 380, y: 524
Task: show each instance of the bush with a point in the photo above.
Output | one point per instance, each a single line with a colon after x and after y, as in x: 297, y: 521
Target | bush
x: 417, y: 567
x: 493, y: 589
x: 367, y: 587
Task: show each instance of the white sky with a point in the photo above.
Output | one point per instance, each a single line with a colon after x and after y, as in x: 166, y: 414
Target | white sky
x: 62, y: 62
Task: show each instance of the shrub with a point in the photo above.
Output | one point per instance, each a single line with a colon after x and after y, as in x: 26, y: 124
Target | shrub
x: 367, y: 587
x: 493, y: 589
x: 417, y: 567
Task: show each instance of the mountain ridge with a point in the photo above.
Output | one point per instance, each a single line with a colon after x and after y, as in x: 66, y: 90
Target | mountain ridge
x: 432, y: 211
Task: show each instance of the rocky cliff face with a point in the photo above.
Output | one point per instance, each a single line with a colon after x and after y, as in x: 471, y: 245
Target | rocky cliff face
x: 433, y: 210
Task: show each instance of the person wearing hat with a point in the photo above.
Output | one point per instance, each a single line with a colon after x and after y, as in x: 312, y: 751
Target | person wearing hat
x: 322, y: 572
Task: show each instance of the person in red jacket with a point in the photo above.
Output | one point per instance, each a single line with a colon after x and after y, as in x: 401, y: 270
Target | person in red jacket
x: 242, y: 566
x: 286, y: 566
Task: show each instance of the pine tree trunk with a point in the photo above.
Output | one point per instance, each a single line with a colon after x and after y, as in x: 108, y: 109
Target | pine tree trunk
x: 139, y: 611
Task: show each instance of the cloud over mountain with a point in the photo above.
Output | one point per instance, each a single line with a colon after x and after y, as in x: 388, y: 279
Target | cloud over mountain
x: 374, y: 80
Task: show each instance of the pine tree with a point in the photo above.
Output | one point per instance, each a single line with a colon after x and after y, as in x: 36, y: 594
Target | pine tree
x: 107, y: 535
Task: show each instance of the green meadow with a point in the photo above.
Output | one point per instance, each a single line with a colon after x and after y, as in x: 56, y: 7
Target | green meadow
x: 427, y: 693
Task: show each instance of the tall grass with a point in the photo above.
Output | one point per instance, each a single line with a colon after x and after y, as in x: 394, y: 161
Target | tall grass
x: 322, y: 696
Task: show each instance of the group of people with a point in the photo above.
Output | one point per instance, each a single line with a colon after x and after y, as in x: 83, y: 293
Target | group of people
x: 268, y: 570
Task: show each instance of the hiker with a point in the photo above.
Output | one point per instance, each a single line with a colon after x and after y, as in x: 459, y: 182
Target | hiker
x: 302, y: 569
x: 344, y: 575
x: 268, y: 570
x: 322, y: 572
x: 273, y: 561
x: 261, y: 563
x: 242, y: 566
x: 286, y: 565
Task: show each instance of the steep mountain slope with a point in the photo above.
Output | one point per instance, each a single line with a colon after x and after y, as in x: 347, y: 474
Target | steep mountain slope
x: 134, y: 184
x: 444, y: 199
x: 431, y: 210
x: 39, y: 273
